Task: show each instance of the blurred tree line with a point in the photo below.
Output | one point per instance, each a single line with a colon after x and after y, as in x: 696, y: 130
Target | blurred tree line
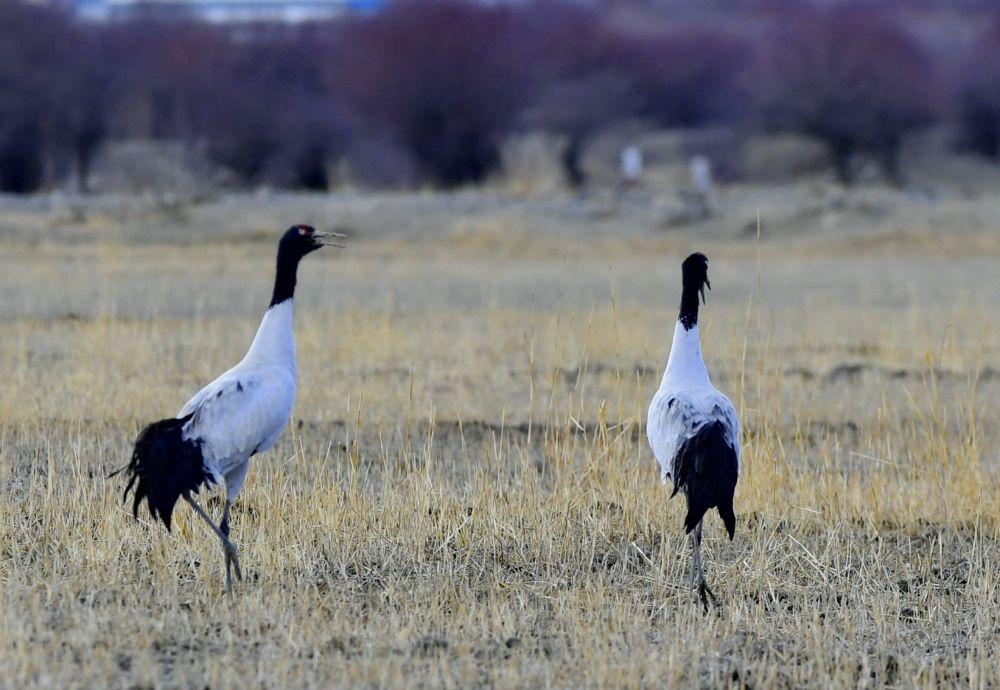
x: 426, y: 92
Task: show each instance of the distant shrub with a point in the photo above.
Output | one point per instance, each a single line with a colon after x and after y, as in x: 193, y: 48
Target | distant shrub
x: 254, y: 98
x: 163, y: 71
x: 53, y: 89
x: 686, y: 77
x: 268, y: 114
x: 578, y: 109
x: 593, y: 74
x: 444, y: 79
x: 578, y: 90
x: 979, y: 95
x: 377, y: 163
x: 853, y: 79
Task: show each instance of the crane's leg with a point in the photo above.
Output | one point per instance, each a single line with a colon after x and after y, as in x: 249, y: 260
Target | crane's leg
x: 695, y: 555
x: 234, y: 482
x: 697, y: 573
x: 232, y: 558
x: 227, y: 546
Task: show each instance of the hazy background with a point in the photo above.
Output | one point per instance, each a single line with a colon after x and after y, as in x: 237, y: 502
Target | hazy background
x: 538, y: 96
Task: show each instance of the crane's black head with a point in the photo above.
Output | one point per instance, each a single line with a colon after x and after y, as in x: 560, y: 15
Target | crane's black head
x: 300, y: 240
x: 694, y: 273
x: 297, y: 241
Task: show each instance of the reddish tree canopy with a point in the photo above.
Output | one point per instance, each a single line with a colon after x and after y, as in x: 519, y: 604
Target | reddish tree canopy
x: 852, y: 79
x: 444, y: 78
x: 979, y: 100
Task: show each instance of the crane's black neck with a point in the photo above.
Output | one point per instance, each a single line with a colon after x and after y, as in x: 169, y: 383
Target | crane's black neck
x: 689, y: 307
x: 285, y: 276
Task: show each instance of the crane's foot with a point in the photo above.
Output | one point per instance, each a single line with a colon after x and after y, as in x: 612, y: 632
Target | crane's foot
x: 232, y: 563
x: 704, y: 592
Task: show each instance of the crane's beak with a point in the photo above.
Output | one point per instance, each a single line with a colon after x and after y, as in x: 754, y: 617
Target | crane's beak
x: 324, y: 238
x: 703, y: 290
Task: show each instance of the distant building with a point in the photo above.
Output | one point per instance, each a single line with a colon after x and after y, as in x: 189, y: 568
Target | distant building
x: 225, y: 11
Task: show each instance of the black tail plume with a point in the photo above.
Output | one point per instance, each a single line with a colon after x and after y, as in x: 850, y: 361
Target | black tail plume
x: 163, y: 466
x: 706, y: 470
x: 728, y: 517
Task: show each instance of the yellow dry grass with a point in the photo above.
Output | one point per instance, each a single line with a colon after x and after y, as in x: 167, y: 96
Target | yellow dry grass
x: 465, y: 496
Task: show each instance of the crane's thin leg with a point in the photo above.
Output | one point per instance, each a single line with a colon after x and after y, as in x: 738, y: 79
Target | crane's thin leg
x: 697, y: 574
x: 695, y: 555
x: 232, y: 560
x: 227, y: 546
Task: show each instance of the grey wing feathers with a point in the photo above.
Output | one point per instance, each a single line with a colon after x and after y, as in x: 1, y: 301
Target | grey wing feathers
x: 223, y: 393
x: 240, y: 414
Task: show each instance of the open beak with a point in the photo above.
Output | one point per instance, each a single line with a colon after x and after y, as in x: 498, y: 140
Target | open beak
x: 324, y: 238
x: 703, y: 290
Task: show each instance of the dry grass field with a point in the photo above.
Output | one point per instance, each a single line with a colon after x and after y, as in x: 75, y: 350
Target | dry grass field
x: 465, y: 496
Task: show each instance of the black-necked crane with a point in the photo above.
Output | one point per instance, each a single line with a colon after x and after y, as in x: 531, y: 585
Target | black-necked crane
x: 692, y: 428
x: 236, y: 416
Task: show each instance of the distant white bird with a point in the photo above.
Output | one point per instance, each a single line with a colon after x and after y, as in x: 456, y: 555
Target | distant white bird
x: 238, y: 415
x: 631, y: 160
x: 701, y: 174
x: 692, y: 428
